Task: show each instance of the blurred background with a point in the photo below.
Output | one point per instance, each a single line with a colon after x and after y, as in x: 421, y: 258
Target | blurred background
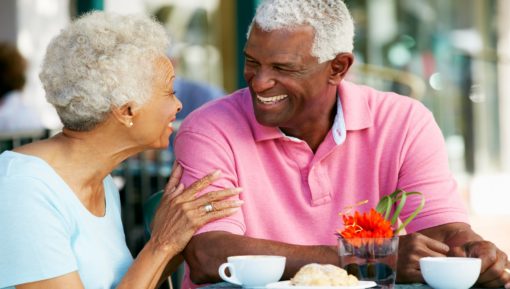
x: 452, y: 55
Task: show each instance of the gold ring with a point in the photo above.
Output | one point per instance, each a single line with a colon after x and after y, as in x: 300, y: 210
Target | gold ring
x: 208, y: 208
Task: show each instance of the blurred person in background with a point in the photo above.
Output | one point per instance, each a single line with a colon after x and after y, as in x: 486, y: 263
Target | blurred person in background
x: 15, y: 115
x: 112, y: 85
x: 304, y: 144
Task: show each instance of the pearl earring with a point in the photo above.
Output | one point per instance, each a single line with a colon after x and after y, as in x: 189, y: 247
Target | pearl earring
x: 130, y: 124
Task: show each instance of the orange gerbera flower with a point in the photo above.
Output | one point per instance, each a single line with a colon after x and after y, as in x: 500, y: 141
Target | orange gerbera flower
x: 366, y: 225
x: 376, y: 225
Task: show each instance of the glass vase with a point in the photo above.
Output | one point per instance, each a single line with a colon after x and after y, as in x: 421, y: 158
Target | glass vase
x: 370, y: 259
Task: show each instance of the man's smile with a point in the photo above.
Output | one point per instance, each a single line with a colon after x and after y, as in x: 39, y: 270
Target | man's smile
x: 272, y: 99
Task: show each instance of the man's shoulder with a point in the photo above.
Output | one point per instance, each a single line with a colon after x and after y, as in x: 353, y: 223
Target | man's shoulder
x: 365, y: 107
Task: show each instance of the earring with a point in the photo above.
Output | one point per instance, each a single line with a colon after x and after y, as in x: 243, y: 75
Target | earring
x: 130, y: 124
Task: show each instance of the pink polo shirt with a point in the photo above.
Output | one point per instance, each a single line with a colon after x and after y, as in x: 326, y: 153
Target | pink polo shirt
x: 293, y: 195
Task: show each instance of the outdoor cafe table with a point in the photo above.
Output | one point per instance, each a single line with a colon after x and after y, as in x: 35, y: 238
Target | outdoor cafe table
x: 225, y: 285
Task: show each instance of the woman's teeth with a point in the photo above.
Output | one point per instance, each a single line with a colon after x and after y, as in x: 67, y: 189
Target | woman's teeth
x: 272, y: 99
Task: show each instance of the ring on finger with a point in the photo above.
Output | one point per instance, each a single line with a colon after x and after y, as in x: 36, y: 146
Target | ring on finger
x: 208, y: 208
x: 507, y: 270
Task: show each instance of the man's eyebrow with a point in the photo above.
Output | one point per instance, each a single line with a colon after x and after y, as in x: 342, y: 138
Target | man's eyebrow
x: 281, y: 63
x: 286, y: 64
x: 247, y: 55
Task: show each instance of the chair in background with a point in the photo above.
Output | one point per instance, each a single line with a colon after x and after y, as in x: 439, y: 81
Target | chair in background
x: 136, y: 178
x: 149, y: 209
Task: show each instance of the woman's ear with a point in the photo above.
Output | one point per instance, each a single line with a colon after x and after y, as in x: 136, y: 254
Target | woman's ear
x: 125, y: 114
x: 339, y: 67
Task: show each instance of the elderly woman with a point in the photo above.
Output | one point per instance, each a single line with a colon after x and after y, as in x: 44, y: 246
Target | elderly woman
x: 111, y: 84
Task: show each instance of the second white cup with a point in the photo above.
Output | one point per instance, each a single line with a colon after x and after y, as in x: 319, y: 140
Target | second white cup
x: 450, y: 272
x: 253, y: 270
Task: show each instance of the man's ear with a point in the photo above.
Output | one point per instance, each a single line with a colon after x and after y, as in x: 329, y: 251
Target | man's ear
x: 339, y: 67
x: 125, y: 114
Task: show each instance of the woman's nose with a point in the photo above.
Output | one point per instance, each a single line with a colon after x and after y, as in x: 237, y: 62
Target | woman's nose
x: 179, y: 105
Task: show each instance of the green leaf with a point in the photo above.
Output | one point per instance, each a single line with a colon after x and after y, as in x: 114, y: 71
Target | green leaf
x: 402, y: 202
x: 384, y: 206
x: 414, y: 214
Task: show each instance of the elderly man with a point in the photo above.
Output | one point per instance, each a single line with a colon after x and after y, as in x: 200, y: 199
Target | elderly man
x: 304, y: 144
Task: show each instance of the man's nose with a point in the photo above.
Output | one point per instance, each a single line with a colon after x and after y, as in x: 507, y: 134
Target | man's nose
x: 262, y: 81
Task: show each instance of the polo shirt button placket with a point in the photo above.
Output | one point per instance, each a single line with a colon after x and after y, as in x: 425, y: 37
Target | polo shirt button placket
x: 319, y: 186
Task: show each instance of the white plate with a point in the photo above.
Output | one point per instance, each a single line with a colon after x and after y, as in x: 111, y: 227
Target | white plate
x: 287, y: 285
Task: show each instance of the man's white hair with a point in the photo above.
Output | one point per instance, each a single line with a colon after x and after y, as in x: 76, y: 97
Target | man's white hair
x: 102, y: 60
x: 331, y: 20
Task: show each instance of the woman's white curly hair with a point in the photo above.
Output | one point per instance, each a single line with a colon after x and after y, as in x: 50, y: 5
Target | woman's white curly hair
x: 331, y: 20
x: 102, y: 60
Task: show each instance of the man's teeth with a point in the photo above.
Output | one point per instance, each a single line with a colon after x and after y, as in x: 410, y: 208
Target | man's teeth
x: 271, y: 99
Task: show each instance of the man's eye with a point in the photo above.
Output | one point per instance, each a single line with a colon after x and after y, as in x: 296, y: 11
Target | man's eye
x: 283, y: 69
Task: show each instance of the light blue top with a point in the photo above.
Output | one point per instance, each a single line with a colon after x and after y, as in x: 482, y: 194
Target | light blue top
x: 45, y: 231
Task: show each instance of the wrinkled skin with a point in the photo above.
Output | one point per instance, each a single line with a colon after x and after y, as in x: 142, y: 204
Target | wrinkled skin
x: 181, y: 212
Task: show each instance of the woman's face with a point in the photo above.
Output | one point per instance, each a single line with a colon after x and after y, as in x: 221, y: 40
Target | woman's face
x: 153, y: 123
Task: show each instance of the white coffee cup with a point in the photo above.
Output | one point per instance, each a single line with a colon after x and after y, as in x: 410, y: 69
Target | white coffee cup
x: 253, y: 270
x: 450, y: 272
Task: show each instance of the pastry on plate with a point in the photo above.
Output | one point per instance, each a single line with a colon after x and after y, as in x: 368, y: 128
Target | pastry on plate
x: 323, y: 275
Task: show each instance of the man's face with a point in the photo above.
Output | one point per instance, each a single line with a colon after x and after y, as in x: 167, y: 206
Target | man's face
x: 287, y: 83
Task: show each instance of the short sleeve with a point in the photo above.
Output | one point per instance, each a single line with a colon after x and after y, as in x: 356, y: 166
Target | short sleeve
x: 425, y: 169
x: 35, y: 235
x: 213, y: 155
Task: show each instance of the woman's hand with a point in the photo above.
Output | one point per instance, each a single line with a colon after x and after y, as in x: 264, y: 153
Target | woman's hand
x: 181, y: 212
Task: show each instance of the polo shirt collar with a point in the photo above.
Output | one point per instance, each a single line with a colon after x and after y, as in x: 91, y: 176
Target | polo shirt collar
x: 353, y: 113
x: 357, y: 112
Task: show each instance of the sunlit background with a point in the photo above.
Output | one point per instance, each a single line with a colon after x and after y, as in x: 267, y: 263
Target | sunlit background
x: 452, y: 55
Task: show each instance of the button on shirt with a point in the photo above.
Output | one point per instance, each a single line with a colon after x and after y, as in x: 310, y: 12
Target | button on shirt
x: 320, y: 192
x: 293, y: 195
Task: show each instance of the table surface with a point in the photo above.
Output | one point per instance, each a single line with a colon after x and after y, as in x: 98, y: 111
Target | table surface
x: 225, y: 285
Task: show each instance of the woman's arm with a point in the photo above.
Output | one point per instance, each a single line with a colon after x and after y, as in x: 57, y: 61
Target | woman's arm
x: 145, y: 272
